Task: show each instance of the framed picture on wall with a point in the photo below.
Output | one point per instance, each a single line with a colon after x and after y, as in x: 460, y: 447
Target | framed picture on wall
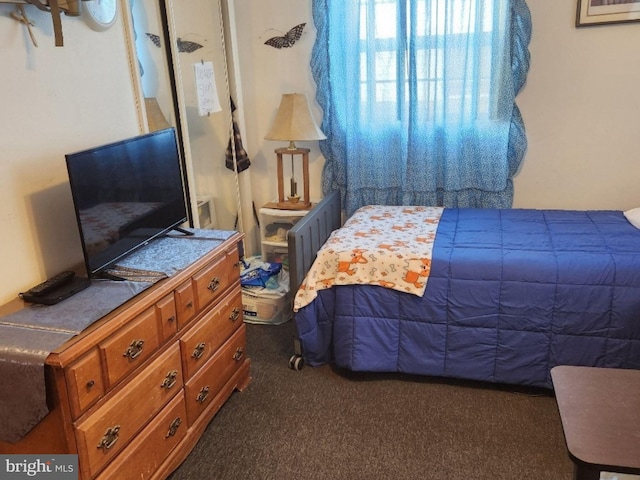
x: 599, y: 12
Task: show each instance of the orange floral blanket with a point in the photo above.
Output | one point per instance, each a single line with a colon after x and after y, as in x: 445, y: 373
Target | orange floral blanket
x: 389, y: 246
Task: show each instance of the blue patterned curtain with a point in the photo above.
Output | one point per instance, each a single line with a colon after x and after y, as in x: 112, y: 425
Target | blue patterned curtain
x: 419, y: 99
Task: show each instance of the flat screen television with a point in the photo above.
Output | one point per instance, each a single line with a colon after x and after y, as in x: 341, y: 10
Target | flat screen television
x: 126, y: 194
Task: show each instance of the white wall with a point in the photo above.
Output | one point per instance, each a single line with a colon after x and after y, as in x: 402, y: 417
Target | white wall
x: 581, y: 108
x: 580, y: 103
x: 53, y: 100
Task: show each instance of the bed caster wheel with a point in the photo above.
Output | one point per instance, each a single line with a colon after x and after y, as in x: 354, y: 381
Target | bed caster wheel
x: 296, y: 362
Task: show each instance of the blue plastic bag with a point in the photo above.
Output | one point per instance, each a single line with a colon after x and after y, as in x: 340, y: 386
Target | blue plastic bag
x: 258, y: 277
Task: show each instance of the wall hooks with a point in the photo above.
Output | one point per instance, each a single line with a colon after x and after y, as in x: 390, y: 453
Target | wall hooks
x: 22, y: 18
x: 68, y: 7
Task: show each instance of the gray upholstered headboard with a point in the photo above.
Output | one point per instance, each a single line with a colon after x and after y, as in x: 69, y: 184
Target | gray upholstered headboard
x: 309, y: 234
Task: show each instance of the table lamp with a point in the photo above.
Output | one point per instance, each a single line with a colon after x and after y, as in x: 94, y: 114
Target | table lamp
x: 294, y: 122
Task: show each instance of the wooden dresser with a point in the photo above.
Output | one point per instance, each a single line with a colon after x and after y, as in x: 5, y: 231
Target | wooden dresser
x: 133, y: 393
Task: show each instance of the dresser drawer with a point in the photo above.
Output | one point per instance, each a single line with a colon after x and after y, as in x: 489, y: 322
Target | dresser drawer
x: 214, y: 279
x: 203, y: 340
x: 108, y: 429
x: 152, y: 446
x: 202, y: 389
x: 185, y: 303
x: 167, y: 317
x: 84, y: 378
x: 129, y: 348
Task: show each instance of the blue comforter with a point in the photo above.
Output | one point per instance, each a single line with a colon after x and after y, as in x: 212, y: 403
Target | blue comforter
x: 511, y: 294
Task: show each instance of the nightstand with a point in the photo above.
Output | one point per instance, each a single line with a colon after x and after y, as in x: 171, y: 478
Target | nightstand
x: 274, y: 225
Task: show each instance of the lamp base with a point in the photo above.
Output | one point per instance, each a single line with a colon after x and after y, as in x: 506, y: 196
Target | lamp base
x: 293, y: 202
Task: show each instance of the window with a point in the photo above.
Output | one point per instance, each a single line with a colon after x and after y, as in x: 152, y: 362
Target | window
x: 418, y: 99
x: 429, y: 50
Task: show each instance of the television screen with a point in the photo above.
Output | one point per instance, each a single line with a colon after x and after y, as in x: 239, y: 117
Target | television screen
x: 125, y: 194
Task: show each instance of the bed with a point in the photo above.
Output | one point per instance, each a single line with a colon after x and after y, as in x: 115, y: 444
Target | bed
x: 509, y: 295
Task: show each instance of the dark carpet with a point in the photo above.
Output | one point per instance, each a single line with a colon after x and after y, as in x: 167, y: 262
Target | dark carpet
x: 320, y: 423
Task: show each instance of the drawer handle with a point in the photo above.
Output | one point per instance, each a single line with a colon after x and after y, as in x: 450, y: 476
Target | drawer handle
x: 170, y: 380
x: 204, y: 393
x: 214, y: 284
x: 199, y: 350
x: 239, y: 353
x: 190, y: 304
x: 134, y: 350
x: 171, y: 319
x: 235, y: 314
x: 173, y: 428
x: 110, y: 438
x: 90, y: 384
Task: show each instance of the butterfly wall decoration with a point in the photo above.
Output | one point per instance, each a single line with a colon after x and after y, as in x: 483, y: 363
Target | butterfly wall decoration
x: 288, y: 39
x: 183, y: 45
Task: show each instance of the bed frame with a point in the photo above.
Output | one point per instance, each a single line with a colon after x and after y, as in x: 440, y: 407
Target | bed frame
x: 309, y: 234
x: 304, y: 239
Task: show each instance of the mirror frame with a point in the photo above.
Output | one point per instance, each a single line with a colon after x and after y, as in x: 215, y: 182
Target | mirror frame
x: 168, y: 39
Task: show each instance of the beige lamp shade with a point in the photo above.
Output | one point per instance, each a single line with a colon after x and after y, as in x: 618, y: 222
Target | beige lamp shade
x: 294, y: 121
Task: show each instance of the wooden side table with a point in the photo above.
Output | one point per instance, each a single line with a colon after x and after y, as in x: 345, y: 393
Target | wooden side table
x: 600, y: 413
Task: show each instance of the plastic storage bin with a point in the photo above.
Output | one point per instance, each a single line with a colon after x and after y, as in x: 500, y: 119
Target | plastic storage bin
x: 266, y: 307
